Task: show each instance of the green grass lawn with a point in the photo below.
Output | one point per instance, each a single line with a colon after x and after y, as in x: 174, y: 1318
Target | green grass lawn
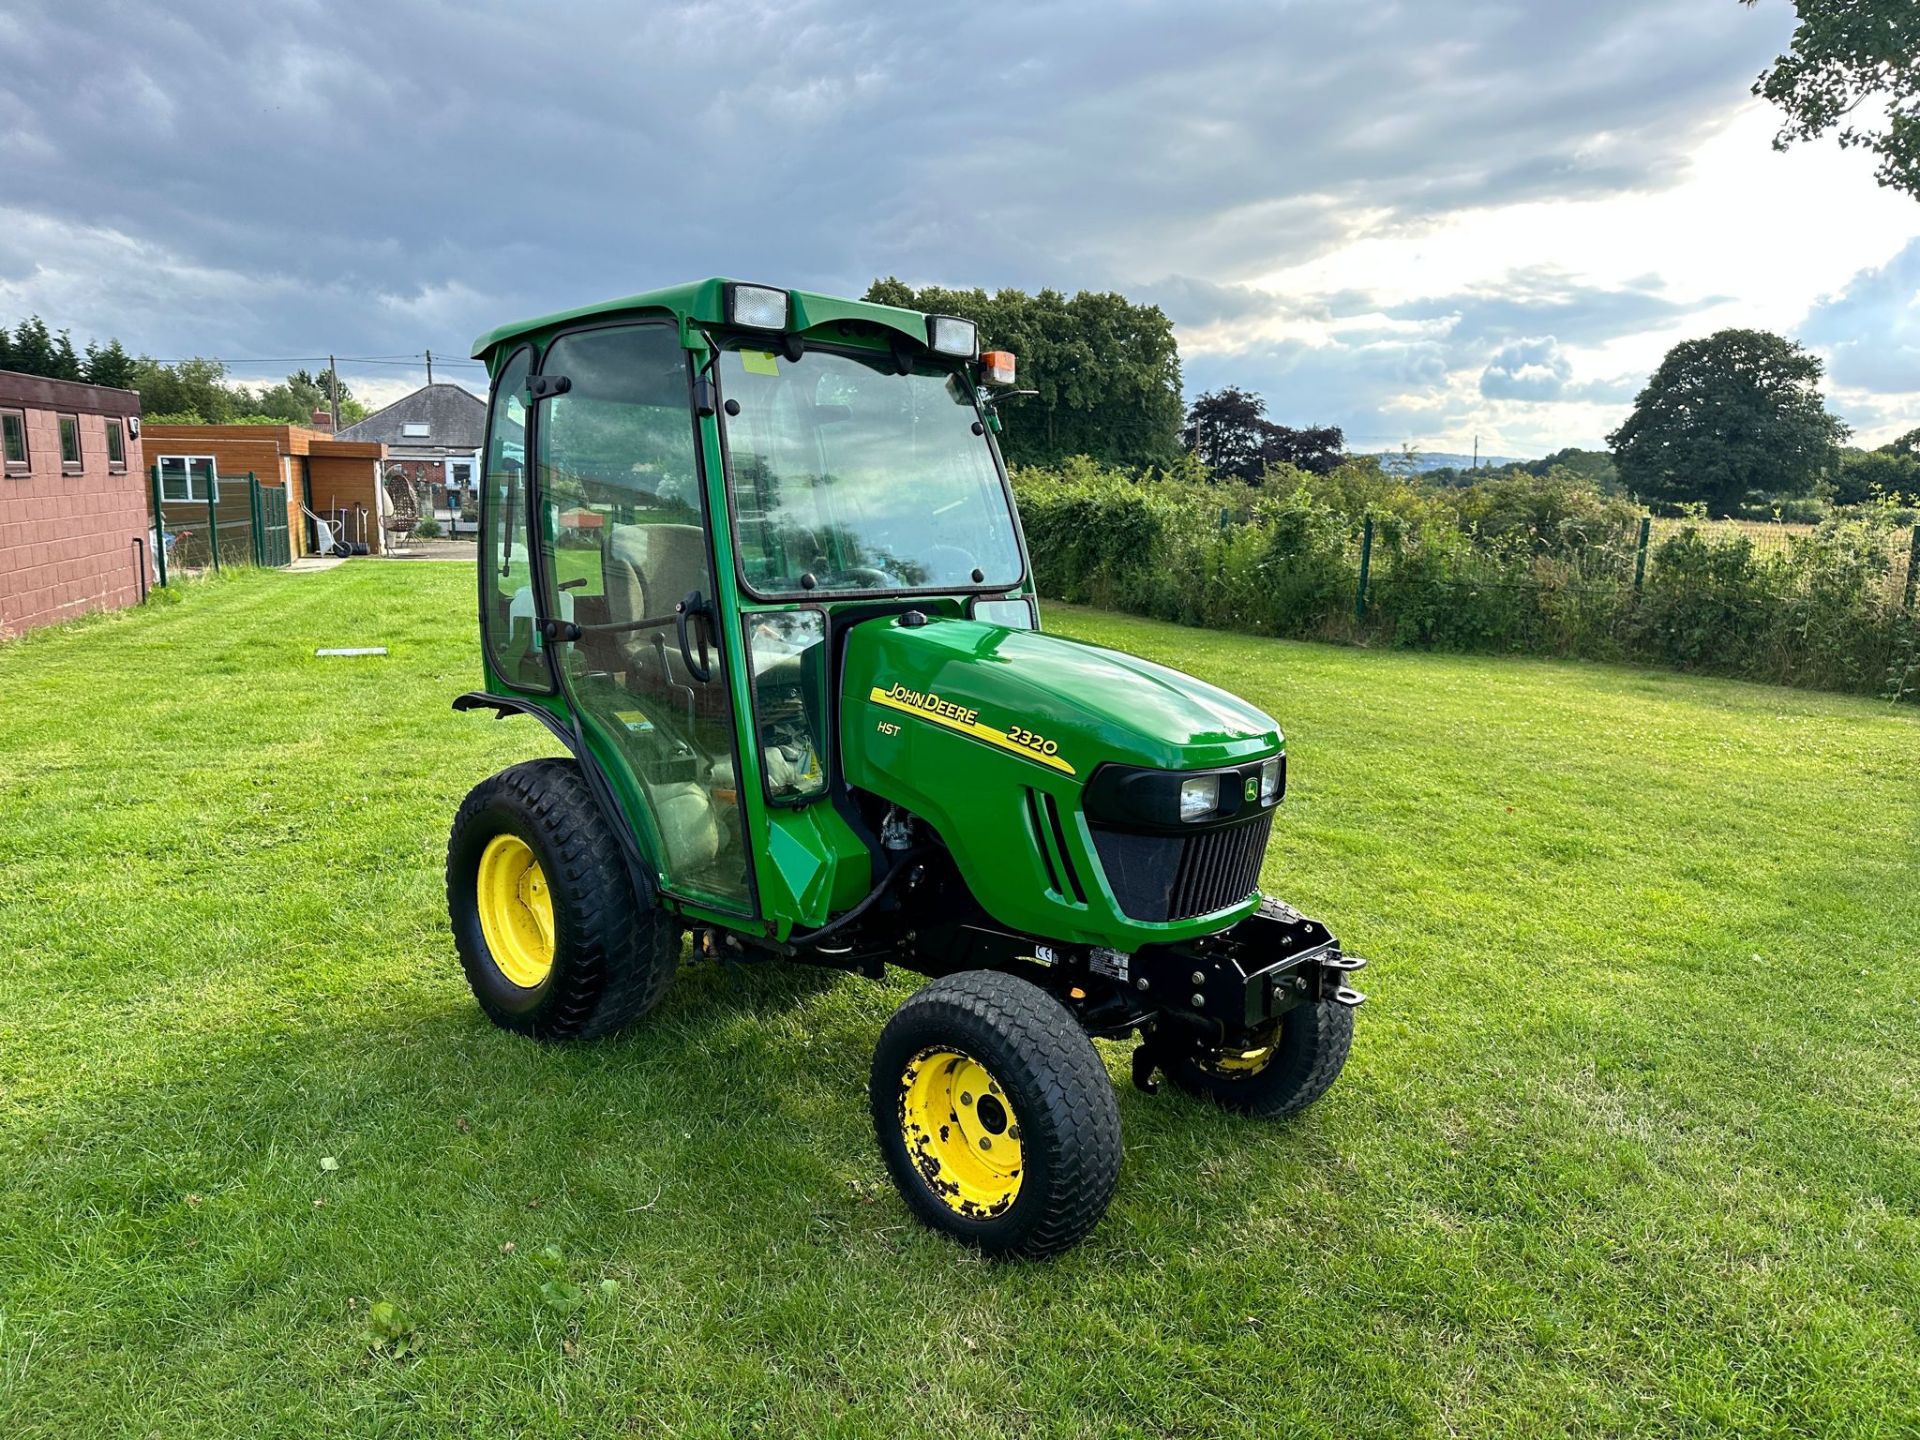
x: 1629, y: 1143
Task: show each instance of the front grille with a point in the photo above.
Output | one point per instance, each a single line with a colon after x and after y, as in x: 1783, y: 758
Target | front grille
x: 1176, y: 877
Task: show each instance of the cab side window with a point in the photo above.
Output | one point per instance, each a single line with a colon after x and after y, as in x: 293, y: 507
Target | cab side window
x: 506, y: 575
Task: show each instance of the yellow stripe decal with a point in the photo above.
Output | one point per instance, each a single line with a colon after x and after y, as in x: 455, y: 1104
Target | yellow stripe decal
x: 973, y: 729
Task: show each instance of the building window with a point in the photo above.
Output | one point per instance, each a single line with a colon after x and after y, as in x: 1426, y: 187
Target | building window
x: 188, y: 477
x: 415, y: 430
x: 116, y: 446
x: 70, y: 443
x: 13, y: 432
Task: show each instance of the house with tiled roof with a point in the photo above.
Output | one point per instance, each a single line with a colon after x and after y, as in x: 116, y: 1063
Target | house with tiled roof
x: 433, y: 438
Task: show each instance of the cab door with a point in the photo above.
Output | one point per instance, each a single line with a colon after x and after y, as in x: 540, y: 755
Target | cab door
x: 626, y: 569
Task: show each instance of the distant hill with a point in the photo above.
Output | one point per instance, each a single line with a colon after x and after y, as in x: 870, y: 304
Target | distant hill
x: 1444, y: 460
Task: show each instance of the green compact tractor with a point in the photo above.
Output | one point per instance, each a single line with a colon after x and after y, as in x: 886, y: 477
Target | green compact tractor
x: 752, y: 557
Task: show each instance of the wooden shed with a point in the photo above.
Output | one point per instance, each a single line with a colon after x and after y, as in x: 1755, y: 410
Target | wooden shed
x: 328, y: 476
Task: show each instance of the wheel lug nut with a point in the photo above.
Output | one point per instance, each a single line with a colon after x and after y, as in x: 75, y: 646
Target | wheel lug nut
x: 965, y: 1098
x: 1199, y: 977
x: 985, y: 1143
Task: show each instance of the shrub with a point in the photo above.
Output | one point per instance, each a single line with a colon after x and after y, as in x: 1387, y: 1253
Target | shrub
x: 1541, y: 564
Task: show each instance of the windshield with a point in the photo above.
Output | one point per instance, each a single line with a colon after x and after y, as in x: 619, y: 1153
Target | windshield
x: 845, y: 474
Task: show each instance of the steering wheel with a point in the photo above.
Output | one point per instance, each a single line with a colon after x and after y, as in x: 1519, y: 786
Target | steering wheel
x: 856, y: 577
x: 949, y: 564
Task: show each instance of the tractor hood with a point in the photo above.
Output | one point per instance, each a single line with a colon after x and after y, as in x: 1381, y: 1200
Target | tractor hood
x: 1059, y: 704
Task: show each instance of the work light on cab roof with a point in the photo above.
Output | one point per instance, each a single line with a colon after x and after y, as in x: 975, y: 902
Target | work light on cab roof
x: 752, y: 557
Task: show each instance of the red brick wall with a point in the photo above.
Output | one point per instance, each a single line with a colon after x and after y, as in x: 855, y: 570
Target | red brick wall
x: 66, y: 541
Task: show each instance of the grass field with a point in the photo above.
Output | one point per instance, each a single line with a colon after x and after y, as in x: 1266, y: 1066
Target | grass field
x: 1629, y: 1143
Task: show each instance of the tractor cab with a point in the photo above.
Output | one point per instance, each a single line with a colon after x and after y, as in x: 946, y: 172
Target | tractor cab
x: 752, y: 556
x: 679, y: 494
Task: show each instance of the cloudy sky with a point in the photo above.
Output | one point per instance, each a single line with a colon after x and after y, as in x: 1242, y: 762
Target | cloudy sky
x: 1420, y: 221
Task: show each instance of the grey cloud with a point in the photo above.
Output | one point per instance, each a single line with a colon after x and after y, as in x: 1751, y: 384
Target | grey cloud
x: 1527, y: 370
x: 1385, y: 391
x: 1541, y: 301
x: 1871, y: 330
x: 348, y: 161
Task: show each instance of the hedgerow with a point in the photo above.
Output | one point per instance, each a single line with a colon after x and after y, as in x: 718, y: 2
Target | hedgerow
x: 1518, y: 563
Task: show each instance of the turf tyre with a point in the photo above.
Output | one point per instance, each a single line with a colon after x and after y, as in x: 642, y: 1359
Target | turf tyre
x: 614, y: 951
x: 1309, y: 1053
x: 1057, y: 1087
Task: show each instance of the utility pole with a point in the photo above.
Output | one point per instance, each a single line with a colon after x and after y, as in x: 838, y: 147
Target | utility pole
x: 1476, y: 452
x: 429, y: 367
x: 333, y: 392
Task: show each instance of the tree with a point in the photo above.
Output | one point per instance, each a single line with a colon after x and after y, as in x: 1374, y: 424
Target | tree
x: 1862, y: 474
x: 1845, y: 54
x: 189, y: 387
x: 1320, y: 449
x: 1228, y: 431
x: 1107, y: 370
x: 66, y: 364
x: 1730, y: 419
x: 110, y: 365
x: 1225, y: 430
x: 33, y: 350
x: 1907, y: 444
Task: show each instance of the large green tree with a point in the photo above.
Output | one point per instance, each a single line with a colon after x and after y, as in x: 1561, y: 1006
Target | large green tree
x: 1108, y: 370
x: 1728, y: 420
x: 110, y: 364
x: 1849, y: 58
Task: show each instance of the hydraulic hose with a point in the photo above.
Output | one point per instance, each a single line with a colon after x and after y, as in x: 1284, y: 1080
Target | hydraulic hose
x: 832, y: 927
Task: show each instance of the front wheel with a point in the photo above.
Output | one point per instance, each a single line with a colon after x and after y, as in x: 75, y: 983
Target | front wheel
x: 554, y: 941
x: 1295, y: 1067
x: 995, y: 1116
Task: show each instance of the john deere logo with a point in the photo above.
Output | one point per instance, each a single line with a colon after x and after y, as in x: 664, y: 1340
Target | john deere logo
x: 1253, y: 787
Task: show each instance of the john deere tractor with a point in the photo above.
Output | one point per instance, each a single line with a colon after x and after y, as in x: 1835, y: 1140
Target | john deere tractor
x: 751, y: 555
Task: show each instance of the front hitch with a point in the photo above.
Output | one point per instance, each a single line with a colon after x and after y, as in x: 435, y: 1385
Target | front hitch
x: 1227, y: 989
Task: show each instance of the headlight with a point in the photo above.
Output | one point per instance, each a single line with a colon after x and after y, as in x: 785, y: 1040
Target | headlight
x: 1199, y: 797
x: 759, y: 307
x: 951, y: 336
x: 1270, y: 781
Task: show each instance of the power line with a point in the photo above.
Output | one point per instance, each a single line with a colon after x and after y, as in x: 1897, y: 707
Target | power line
x: 255, y: 364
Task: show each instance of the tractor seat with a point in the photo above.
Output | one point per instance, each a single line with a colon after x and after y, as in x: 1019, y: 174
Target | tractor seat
x: 650, y: 569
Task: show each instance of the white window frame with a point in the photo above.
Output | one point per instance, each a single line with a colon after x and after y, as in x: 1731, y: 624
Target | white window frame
x: 213, y: 480
x: 24, y: 465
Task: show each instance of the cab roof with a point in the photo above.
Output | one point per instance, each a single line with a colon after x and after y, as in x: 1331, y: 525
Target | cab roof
x: 703, y: 302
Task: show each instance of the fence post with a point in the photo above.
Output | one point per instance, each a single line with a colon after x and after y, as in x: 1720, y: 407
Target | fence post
x: 253, y: 519
x: 159, y: 523
x: 1640, y: 553
x: 213, y: 516
x: 1913, y: 564
x: 1366, y: 568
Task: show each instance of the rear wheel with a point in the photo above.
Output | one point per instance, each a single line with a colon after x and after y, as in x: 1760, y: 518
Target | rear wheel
x: 995, y: 1116
x: 1296, y: 1066
x: 554, y: 942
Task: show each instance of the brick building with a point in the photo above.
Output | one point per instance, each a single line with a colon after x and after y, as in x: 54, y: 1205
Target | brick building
x: 74, y: 530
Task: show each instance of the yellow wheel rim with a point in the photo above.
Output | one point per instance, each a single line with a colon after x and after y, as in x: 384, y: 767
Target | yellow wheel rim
x: 516, y: 912
x: 1242, y: 1062
x: 961, y: 1133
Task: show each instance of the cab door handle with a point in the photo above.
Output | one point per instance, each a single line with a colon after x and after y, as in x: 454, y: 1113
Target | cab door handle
x: 693, y: 605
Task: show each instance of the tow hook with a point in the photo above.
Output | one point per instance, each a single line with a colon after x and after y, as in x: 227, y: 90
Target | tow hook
x: 1342, y: 965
